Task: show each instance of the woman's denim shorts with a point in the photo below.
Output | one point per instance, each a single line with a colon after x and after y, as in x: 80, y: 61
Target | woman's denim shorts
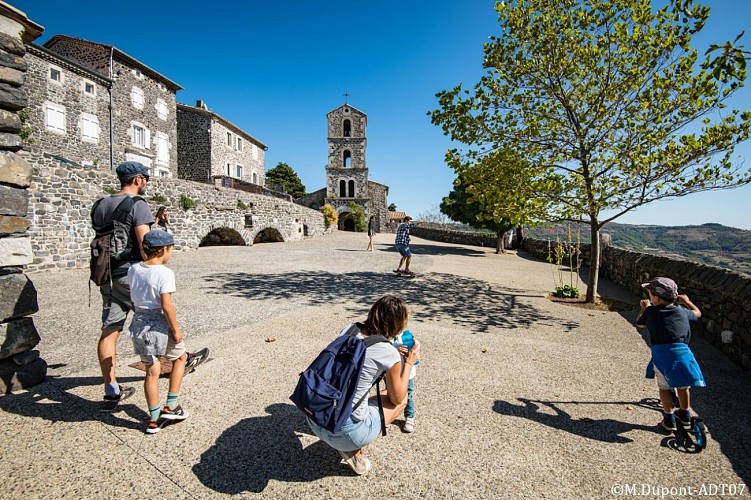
x: 353, y: 435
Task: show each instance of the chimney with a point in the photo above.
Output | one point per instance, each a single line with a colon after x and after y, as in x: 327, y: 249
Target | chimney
x: 201, y: 104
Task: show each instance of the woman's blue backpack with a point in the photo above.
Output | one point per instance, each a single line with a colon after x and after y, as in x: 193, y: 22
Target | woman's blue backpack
x: 326, y: 390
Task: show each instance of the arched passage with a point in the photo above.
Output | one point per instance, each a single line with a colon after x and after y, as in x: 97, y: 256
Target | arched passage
x: 268, y: 235
x: 222, y: 236
x: 346, y: 222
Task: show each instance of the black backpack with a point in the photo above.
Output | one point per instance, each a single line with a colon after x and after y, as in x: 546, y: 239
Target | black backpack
x: 112, y: 241
x: 325, y: 392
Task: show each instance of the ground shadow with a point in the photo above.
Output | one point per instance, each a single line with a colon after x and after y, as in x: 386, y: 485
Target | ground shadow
x: 257, y: 449
x: 427, y: 249
x: 606, y: 430
x: 470, y: 303
x: 54, y: 401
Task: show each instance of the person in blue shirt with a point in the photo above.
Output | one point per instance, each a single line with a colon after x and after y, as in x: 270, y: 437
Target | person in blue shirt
x: 402, y: 245
x: 667, y: 316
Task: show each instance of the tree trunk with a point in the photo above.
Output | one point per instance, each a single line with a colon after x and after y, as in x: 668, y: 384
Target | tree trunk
x: 499, y: 242
x: 594, y: 261
x: 519, y: 237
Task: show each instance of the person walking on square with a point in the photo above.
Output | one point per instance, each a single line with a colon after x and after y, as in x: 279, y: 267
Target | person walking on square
x: 154, y: 330
x: 666, y: 315
x: 371, y: 233
x: 402, y: 245
x: 115, y: 294
x: 403, y: 343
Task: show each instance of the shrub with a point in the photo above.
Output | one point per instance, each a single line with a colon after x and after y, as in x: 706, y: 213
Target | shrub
x: 566, y: 292
x: 158, y: 198
x: 109, y: 190
x: 241, y: 205
x: 358, y: 215
x: 186, y: 202
x: 329, y: 215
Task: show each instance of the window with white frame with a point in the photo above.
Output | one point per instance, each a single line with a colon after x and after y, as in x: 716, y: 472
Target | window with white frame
x: 229, y: 169
x: 54, y: 117
x: 88, y: 88
x: 255, y: 151
x: 229, y: 139
x: 162, y: 148
x: 161, y: 109
x: 89, y: 126
x: 56, y: 74
x: 136, y: 96
x: 239, y: 171
x: 239, y: 144
x: 140, y: 135
x: 255, y: 178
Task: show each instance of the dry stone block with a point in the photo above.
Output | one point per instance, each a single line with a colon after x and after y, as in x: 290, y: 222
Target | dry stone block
x: 12, y: 76
x: 18, y: 297
x: 16, y: 378
x: 17, y: 336
x: 15, y: 170
x: 10, y: 224
x: 10, y: 141
x: 12, y: 44
x: 16, y: 251
x: 13, y: 98
x: 13, y: 201
x: 9, y: 121
x: 26, y: 358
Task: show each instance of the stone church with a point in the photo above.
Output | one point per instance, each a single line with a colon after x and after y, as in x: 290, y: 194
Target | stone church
x: 347, y: 172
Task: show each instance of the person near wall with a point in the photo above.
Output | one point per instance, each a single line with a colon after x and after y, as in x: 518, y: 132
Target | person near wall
x: 116, y: 302
x: 371, y: 233
x: 161, y: 219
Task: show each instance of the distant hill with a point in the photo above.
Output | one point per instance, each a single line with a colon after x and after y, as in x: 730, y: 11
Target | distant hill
x: 712, y: 244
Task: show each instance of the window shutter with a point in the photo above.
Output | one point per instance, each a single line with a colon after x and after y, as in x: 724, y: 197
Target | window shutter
x: 147, y: 138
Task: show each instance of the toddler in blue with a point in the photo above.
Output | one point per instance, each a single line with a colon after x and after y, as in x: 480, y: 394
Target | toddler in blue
x: 404, y: 342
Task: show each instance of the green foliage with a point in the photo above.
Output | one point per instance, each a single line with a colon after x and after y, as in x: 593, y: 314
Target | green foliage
x: 110, y: 190
x: 566, y: 292
x: 286, y: 177
x: 242, y: 205
x: 329, y: 215
x: 158, y: 198
x: 460, y: 206
x: 392, y: 207
x: 186, y: 202
x: 26, y: 131
x: 358, y: 216
x: 607, y: 102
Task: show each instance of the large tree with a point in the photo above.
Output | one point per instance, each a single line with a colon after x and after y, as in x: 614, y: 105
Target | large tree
x: 286, y: 177
x: 461, y: 207
x: 607, y: 101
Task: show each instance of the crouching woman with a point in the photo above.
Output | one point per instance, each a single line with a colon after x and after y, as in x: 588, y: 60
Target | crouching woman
x: 388, y: 317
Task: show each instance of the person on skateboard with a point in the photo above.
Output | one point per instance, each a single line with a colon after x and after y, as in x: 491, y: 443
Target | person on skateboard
x: 402, y: 246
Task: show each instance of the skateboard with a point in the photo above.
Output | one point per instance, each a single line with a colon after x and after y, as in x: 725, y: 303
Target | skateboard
x: 195, y: 359
x: 405, y: 275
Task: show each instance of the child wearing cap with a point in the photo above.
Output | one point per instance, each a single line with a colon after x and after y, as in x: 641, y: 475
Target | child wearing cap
x: 154, y: 329
x: 672, y: 364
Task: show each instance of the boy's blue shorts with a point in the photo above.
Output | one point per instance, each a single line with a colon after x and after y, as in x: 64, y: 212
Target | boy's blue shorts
x: 404, y: 250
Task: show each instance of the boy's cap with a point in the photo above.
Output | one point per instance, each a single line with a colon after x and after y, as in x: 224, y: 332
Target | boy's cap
x: 157, y: 239
x: 130, y: 169
x: 662, y: 287
x: 407, y: 217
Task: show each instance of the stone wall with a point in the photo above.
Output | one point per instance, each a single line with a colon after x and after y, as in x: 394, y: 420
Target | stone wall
x: 723, y: 296
x: 378, y: 205
x: 20, y: 365
x: 250, y: 156
x: 193, y: 144
x: 437, y: 232
x: 61, y: 197
x: 359, y: 176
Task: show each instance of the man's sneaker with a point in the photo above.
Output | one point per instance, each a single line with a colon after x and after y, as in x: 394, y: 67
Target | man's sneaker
x: 358, y: 463
x: 668, y: 422
x: 409, y: 425
x: 684, y: 416
x: 110, y: 402
x: 196, y: 358
x: 154, y: 426
x: 176, y: 413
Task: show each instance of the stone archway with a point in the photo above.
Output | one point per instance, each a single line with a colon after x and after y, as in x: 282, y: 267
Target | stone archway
x: 268, y: 235
x: 346, y: 222
x: 222, y: 236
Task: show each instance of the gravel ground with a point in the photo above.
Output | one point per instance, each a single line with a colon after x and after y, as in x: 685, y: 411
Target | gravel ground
x: 516, y: 396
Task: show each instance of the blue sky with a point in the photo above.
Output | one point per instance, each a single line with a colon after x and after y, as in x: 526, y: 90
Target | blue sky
x: 275, y: 68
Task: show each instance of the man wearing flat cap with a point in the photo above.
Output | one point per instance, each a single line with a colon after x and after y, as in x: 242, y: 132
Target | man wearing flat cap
x: 116, y: 300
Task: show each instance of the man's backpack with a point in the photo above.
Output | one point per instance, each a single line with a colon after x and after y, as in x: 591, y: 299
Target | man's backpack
x: 112, y: 241
x: 326, y: 390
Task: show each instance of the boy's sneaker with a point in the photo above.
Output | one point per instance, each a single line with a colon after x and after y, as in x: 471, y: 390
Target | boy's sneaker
x: 196, y: 358
x: 684, y: 416
x: 110, y: 402
x: 176, y: 413
x: 668, y: 422
x: 409, y: 425
x: 358, y: 463
x: 154, y: 426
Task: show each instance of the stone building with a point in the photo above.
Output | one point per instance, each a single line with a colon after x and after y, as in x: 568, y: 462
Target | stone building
x: 92, y: 103
x: 209, y: 146
x: 347, y: 171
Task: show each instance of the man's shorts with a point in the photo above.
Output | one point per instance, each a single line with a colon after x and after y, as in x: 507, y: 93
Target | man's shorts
x: 662, y: 382
x: 173, y: 352
x: 403, y: 250
x: 115, y: 303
